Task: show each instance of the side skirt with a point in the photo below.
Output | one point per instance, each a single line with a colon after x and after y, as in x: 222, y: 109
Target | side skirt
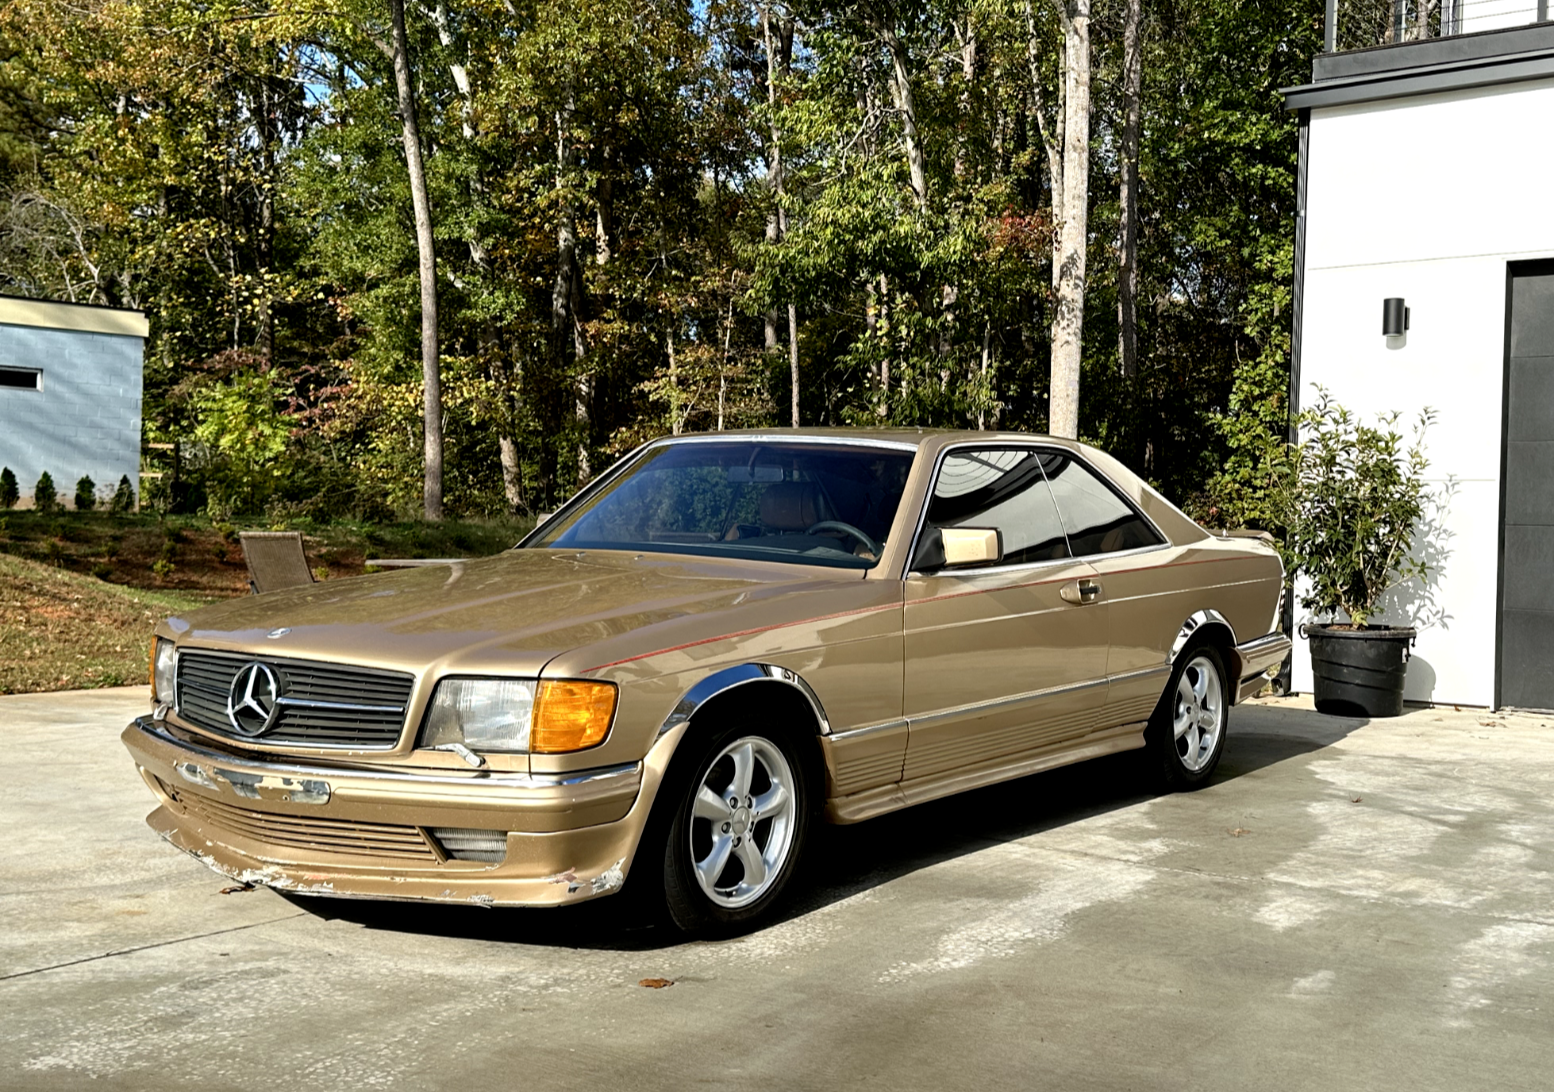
x: 888, y: 798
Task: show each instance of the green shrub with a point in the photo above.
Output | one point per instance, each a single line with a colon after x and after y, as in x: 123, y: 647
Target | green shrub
x: 86, y: 494
x: 1354, y: 495
x: 44, y: 498
x: 53, y: 552
x: 123, y: 502
x: 10, y: 492
x: 102, y: 570
x: 162, y: 567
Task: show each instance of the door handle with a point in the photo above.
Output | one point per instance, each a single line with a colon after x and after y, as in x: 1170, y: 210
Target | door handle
x: 1081, y: 592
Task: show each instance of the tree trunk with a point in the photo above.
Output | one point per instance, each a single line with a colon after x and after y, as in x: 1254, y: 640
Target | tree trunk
x: 779, y: 55
x: 268, y: 137
x: 906, y: 108
x: 793, y: 358
x: 566, y: 329
x: 1068, y: 321
x: 1127, y: 263
x: 425, y: 248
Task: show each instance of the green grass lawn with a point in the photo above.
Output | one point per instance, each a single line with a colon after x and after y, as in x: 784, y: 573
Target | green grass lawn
x: 190, y: 553
x: 63, y: 631
x: 81, y: 591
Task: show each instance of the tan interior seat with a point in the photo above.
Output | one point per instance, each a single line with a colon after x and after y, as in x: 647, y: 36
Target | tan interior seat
x: 789, y: 506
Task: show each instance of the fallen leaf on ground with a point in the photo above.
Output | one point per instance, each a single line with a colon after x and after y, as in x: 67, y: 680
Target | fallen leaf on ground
x: 1356, y: 800
x: 237, y: 888
x: 656, y: 983
x: 1236, y: 832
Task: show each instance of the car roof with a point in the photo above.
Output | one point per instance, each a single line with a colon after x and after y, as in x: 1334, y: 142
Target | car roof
x: 916, y: 437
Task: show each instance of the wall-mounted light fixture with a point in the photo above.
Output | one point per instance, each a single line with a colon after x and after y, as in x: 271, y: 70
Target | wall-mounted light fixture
x: 1394, y: 317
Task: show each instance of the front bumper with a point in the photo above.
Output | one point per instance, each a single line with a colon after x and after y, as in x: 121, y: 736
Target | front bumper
x: 363, y: 832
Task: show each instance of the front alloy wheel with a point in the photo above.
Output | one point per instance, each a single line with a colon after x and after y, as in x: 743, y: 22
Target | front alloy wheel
x: 737, y: 834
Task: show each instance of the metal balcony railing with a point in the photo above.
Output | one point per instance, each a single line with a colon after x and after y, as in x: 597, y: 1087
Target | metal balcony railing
x: 1363, y: 24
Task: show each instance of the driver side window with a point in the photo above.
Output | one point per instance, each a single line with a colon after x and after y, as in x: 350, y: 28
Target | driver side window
x: 1006, y: 489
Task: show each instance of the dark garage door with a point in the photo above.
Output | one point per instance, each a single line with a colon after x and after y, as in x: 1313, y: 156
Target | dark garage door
x: 1527, y: 566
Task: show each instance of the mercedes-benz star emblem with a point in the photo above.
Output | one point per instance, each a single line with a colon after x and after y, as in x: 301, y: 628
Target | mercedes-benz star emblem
x: 254, y: 699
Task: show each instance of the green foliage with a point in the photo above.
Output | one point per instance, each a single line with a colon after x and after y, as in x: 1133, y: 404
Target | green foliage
x: 86, y: 494
x: 244, y: 435
x: 123, y: 501
x: 1353, y: 497
x: 10, y: 493
x: 44, y: 497
x: 237, y: 171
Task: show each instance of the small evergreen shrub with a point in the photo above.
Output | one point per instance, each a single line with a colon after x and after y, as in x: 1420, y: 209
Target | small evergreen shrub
x: 86, y: 493
x: 10, y: 492
x: 123, y: 502
x: 44, y: 498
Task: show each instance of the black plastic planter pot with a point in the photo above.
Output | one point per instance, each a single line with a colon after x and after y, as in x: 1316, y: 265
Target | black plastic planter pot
x: 1359, y: 672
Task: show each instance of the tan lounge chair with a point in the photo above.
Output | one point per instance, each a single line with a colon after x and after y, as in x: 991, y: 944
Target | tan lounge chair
x: 275, y: 560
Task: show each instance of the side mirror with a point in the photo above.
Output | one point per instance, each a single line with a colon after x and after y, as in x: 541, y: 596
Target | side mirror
x: 946, y: 547
x: 971, y: 545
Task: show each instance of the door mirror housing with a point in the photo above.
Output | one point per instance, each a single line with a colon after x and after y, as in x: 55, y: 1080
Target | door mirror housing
x: 956, y: 547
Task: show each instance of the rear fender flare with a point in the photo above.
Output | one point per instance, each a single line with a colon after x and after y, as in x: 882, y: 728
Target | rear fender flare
x: 1207, y: 625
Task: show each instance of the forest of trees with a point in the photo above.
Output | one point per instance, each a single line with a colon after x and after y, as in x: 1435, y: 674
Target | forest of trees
x: 550, y: 231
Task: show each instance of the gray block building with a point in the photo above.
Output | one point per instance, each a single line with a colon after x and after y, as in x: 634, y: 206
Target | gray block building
x: 70, y: 386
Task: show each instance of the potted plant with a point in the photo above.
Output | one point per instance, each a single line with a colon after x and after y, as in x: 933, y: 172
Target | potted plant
x: 1353, y: 499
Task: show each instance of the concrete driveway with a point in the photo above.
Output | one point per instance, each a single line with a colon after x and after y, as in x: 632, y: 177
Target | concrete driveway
x: 1350, y: 906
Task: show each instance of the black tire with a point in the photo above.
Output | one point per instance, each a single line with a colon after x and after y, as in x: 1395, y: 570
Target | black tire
x: 691, y: 907
x: 1178, y: 763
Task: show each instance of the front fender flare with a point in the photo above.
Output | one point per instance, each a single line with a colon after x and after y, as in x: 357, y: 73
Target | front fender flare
x: 740, y: 675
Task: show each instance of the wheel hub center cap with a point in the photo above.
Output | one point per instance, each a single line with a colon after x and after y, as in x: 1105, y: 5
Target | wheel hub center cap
x: 741, y: 820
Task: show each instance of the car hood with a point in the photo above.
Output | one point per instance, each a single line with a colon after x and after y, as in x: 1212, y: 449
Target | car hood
x: 509, y: 613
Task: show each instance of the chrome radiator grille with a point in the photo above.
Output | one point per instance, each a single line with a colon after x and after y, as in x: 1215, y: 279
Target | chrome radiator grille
x: 320, y: 705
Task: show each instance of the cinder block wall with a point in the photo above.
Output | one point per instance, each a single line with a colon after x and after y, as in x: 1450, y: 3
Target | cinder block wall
x: 85, y: 420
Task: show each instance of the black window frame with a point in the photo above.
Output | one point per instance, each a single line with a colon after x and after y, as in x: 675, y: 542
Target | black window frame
x: 36, y: 373
x: 1038, y: 447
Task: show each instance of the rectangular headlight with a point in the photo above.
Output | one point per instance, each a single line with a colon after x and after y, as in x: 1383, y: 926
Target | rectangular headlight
x: 164, y: 671
x: 481, y: 714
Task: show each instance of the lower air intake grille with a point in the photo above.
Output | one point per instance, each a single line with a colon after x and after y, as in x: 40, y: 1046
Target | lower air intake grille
x: 321, y: 705
x: 309, y: 833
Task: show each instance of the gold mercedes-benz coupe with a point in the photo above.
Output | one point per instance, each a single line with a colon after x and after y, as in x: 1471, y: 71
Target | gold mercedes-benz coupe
x: 721, y: 641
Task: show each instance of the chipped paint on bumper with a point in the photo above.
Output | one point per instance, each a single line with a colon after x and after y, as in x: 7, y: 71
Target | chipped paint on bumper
x: 217, y: 807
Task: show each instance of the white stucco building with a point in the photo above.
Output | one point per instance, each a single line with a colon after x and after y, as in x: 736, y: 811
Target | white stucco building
x: 70, y: 389
x: 1425, y: 171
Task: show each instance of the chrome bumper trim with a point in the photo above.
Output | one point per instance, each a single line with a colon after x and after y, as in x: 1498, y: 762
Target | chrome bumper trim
x: 627, y: 771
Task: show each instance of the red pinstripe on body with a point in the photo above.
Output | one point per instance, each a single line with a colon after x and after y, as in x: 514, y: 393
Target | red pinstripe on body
x: 892, y: 606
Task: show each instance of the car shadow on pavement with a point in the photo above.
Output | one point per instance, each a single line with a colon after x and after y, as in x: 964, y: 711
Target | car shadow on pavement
x: 847, y: 860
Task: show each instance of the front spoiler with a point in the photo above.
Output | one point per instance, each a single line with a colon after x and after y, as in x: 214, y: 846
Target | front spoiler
x: 570, y: 837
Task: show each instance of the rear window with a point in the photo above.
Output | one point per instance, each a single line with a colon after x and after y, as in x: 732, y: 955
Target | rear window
x: 1097, y: 520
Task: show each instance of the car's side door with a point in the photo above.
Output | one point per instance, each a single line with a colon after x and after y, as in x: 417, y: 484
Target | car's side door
x: 1009, y: 657
x: 1129, y: 556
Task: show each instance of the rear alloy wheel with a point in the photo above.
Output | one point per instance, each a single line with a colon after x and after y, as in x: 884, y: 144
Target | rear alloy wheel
x: 737, y: 834
x: 1187, y: 732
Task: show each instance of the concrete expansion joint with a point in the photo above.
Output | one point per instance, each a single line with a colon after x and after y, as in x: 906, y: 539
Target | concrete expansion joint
x: 148, y: 947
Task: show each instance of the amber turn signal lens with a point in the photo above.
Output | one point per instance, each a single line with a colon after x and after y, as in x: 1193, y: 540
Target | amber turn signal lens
x: 571, y: 715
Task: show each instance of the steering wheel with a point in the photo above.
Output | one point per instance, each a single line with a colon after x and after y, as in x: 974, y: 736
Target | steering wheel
x: 846, y: 529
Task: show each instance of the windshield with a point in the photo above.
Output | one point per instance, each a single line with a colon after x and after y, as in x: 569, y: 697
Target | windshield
x: 814, y: 504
